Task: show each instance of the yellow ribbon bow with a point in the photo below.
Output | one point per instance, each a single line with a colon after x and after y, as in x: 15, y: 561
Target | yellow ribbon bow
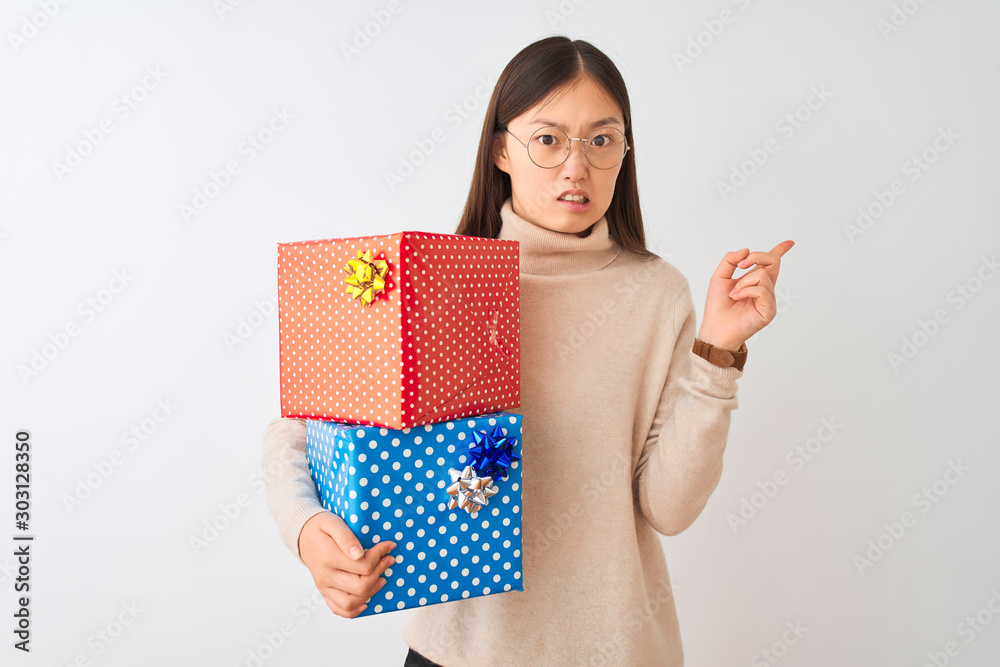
x: 367, y: 277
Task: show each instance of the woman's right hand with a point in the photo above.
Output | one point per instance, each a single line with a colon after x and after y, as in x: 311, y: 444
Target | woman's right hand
x: 345, y: 574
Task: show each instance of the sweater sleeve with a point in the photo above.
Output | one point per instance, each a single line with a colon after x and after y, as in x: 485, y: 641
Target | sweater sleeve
x: 681, y: 461
x: 291, y: 494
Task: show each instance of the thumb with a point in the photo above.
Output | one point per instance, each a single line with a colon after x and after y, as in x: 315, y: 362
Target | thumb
x: 335, y: 527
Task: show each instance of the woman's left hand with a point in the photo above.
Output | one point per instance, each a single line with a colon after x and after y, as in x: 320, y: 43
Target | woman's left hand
x: 737, y: 308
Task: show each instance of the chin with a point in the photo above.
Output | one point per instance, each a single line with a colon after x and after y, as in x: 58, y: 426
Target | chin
x: 574, y: 223
x: 579, y: 222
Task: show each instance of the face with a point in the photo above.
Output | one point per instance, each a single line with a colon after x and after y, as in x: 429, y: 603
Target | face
x: 538, y: 194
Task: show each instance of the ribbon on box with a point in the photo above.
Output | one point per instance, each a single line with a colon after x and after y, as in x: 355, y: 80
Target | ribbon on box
x: 492, y: 453
x: 367, y: 276
x: 470, y: 491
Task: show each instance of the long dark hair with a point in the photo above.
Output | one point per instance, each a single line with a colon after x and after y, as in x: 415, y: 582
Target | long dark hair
x: 529, y: 77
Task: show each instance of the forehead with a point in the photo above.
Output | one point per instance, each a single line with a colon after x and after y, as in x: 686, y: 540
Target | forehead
x: 582, y: 102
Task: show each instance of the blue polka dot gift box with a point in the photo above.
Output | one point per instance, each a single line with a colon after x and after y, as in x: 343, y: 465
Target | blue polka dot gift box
x: 448, y: 494
x: 399, y: 330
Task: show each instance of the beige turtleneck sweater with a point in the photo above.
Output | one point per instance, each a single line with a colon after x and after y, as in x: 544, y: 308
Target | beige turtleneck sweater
x: 624, y: 430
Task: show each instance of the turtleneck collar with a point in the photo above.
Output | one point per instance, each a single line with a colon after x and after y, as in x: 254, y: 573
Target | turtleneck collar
x: 545, y: 252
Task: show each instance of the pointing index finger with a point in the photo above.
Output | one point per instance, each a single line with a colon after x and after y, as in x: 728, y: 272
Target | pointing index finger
x: 763, y: 259
x: 782, y: 248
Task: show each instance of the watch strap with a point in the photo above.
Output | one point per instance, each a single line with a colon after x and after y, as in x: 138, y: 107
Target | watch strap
x: 719, y: 356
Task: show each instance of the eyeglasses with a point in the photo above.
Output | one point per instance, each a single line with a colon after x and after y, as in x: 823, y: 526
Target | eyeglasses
x: 549, y: 147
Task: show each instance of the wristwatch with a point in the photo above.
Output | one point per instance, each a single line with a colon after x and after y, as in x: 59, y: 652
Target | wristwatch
x: 720, y: 357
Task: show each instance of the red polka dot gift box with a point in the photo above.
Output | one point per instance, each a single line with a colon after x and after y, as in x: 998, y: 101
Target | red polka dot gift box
x: 400, y: 330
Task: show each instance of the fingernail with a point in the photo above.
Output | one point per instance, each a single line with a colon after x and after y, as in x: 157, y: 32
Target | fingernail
x: 363, y: 608
x: 355, y: 552
x: 732, y: 294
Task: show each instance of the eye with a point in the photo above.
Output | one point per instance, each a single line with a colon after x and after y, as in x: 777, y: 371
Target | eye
x: 548, y: 139
x: 602, y: 141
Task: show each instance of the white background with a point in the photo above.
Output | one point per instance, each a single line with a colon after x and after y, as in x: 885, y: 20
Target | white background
x: 195, y: 285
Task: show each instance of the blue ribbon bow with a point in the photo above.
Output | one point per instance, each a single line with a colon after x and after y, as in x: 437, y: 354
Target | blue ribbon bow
x: 492, y: 453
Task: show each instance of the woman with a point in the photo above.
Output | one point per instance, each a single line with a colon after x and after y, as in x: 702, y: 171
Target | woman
x: 626, y: 414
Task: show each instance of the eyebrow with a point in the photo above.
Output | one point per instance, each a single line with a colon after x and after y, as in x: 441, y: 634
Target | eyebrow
x: 610, y: 120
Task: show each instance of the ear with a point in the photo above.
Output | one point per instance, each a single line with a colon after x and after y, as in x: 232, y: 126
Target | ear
x: 500, y: 158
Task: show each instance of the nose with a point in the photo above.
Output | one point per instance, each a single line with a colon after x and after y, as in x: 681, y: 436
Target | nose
x: 576, y: 165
